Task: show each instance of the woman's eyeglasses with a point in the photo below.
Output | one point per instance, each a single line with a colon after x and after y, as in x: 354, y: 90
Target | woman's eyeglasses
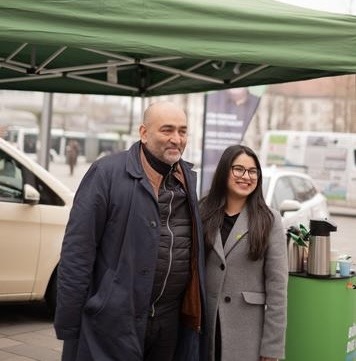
x: 239, y: 171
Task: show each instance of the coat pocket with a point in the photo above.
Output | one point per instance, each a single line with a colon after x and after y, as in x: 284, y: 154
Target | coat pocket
x: 98, y: 301
x: 254, y: 298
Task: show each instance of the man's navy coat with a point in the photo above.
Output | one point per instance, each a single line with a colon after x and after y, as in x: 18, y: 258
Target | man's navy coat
x: 108, y: 262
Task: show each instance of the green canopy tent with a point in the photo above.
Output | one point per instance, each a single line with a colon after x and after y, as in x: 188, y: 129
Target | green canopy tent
x: 155, y: 47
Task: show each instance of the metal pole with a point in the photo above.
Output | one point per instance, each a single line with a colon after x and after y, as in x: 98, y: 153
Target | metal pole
x: 45, y: 130
x: 202, y: 163
x: 143, y: 106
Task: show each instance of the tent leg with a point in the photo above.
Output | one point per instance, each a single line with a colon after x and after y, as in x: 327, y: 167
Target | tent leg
x: 45, y: 130
x: 143, y: 106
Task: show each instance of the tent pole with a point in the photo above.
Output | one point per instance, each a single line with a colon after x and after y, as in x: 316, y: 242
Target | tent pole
x: 45, y: 130
x: 143, y: 106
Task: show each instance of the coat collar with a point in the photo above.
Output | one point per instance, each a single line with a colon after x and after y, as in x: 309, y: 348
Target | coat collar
x: 239, y: 229
x: 133, y: 163
x: 138, y: 167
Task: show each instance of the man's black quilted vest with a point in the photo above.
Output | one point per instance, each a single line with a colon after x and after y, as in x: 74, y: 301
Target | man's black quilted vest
x: 173, y: 264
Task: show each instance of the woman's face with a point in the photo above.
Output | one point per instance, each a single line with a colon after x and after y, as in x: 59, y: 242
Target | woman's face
x: 243, y: 176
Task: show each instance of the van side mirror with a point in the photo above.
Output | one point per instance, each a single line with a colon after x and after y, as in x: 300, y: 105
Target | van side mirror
x: 289, y: 205
x: 31, y: 195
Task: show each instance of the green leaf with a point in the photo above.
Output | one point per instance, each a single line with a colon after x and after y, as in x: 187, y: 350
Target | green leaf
x: 303, y: 230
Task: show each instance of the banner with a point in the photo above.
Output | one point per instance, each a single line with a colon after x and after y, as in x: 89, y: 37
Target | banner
x: 226, y: 117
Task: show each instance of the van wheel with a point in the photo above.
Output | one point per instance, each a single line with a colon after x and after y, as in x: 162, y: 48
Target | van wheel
x: 51, y: 294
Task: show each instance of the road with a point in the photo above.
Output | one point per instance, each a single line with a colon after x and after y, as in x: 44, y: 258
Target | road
x: 26, y: 331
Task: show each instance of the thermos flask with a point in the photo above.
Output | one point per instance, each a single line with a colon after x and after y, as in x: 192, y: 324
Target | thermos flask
x: 319, y: 247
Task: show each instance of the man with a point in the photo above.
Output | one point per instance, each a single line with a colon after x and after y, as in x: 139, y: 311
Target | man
x: 130, y: 279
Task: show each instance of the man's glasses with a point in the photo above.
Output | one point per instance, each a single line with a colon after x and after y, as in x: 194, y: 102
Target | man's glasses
x: 239, y: 171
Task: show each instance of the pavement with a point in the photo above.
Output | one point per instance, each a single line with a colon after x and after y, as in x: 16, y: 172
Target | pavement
x: 61, y: 171
x: 27, y: 334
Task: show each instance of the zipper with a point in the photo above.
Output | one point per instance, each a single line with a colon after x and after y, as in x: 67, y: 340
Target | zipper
x: 153, y: 310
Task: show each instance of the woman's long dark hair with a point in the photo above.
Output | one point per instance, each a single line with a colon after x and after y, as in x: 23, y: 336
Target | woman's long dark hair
x: 212, y: 206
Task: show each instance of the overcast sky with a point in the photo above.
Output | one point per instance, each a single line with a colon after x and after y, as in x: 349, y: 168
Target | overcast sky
x: 336, y: 6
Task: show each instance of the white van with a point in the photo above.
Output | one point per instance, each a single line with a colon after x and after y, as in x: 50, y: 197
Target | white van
x: 34, y: 210
x: 329, y: 158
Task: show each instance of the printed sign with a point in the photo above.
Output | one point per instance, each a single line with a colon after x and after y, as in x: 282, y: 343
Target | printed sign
x: 227, y: 116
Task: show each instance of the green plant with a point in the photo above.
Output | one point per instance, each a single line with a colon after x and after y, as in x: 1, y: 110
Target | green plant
x: 300, y: 235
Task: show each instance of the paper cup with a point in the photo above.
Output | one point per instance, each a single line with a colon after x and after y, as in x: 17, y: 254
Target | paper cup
x: 345, y: 268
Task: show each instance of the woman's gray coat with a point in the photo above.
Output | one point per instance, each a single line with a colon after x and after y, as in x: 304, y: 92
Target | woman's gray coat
x: 108, y: 262
x: 249, y: 297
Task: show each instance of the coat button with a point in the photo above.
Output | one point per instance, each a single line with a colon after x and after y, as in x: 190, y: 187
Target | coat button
x: 227, y: 299
x: 153, y: 224
x: 222, y: 266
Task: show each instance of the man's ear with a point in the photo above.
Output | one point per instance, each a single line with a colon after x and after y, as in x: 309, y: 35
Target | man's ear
x: 143, y: 133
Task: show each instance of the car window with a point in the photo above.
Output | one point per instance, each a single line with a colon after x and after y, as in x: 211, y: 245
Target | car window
x: 282, y: 191
x: 47, y: 195
x: 265, y: 185
x: 11, y: 183
x: 12, y: 178
x: 304, y: 189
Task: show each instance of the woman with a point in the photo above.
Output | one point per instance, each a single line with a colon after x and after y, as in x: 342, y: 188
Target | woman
x: 247, y: 270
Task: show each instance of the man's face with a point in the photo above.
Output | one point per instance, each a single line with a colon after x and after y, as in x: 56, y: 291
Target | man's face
x: 165, y: 136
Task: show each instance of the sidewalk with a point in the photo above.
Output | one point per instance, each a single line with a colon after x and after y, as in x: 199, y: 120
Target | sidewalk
x: 61, y: 171
x: 27, y: 334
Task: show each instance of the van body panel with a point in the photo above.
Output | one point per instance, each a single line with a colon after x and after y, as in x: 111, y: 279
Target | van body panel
x: 329, y: 158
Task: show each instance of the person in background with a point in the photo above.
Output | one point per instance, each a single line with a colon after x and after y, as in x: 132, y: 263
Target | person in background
x: 247, y: 267
x: 131, y: 273
x: 72, y: 153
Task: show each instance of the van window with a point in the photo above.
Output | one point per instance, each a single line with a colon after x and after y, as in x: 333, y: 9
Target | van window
x: 11, y: 136
x: 30, y: 141
x: 11, y: 183
x: 47, y: 195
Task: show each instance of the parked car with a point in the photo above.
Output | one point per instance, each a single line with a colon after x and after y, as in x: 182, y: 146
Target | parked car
x: 294, y: 195
x: 34, y: 209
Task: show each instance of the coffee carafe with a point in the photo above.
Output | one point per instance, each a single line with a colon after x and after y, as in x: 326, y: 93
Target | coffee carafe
x: 319, y: 247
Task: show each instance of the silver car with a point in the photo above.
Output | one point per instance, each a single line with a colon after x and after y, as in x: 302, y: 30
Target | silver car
x: 294, y: 195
